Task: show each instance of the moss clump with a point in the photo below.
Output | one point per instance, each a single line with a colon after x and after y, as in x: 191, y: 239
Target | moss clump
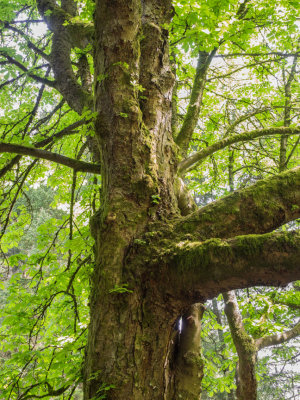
x: 248, y: 245
x: 192, y: 255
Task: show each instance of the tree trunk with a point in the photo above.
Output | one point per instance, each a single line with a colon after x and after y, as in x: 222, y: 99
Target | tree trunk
x: 136, y: 294
x: 287, y: 113
x: 129, y: 345
x: 132, y: 314
x: 245, y: 347
x: 156, y: 258
x: 187, y: 361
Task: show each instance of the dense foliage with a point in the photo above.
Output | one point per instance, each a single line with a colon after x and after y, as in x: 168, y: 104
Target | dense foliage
x: 244, y: 58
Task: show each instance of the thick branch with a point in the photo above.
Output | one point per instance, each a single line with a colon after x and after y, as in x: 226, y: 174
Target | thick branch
x: 48, y: 155
x: 80, y: 33
x: 191, y: 118
x: 259, y: 208
x: 67, y: 84
x: 62, y: 43
x: 278, y: 338
x: 208, y: 268
x: 197, y: 158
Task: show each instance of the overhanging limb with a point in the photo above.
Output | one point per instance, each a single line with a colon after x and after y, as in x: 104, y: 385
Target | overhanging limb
x: 48, y: 155
x: 259, y: 208
x: 218, y: 265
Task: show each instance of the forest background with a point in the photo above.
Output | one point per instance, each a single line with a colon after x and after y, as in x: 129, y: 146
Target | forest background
x: 234, y: 118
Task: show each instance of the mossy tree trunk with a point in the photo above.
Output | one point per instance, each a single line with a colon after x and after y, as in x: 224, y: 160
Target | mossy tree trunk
x: 188, y: 365
x: 132, y: 313
x: 156, y: 258
x: 245, y: 347
x: 147, y: 273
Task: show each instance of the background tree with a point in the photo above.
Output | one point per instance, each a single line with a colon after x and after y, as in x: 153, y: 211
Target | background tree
x: 92, y: 108
x: 257, y: 318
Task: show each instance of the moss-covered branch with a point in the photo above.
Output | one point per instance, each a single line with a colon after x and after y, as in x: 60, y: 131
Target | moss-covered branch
x: 77, y: 165
x: 259, y: 208
x: 217, y: 265
x: 80, y: 33
x: 200, y: 156
x: 65, y: 36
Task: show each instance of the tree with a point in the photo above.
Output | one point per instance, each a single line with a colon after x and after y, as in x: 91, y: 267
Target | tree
x: 247, y: 347
x: 108, y: 102
x: 258, y: 318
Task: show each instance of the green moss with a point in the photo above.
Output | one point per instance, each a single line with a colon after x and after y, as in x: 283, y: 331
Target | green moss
x: 249, y: 244
x: 152, y: 234
x: 247, y: 343
x: 191, y: 255
x: 194, y: 359
x: 140, y: 242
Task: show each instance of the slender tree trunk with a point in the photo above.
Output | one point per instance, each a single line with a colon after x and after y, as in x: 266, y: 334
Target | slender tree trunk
x: 245, y: 347
x: 219, y: 321
x: 287, y: 115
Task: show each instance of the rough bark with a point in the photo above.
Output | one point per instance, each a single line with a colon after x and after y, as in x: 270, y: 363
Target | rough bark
x: 151, y: 264
x: 129, y: 333
x: 188, y: 360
